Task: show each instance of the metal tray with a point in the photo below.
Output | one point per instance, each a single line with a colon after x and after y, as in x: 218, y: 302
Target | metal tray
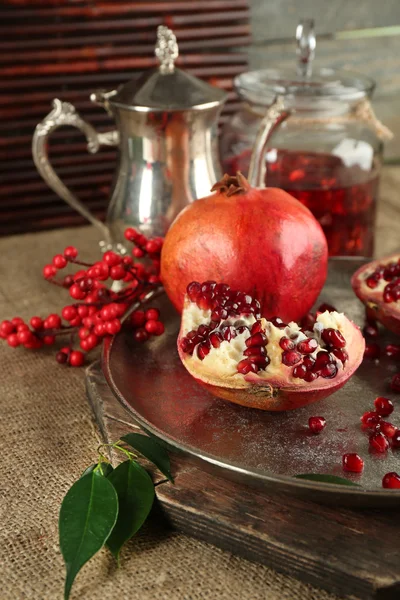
x: 251, y: 446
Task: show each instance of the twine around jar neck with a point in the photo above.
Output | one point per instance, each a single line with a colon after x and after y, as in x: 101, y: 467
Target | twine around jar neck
x: 362, y: 111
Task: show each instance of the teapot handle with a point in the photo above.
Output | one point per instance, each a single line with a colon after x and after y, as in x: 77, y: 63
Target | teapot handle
x: 64, y: 113
x: 274, y: 116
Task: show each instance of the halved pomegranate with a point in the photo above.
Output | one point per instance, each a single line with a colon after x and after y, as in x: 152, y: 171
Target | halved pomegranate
x: 268, y: 364
x: 377, y: 284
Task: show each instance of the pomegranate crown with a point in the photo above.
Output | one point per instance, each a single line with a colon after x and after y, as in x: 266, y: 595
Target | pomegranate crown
x: 232, y: 184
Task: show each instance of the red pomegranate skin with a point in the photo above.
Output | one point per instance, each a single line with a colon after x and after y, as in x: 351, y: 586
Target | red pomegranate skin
x: 262, y: 241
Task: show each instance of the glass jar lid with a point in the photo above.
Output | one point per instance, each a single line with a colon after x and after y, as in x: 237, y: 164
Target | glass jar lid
x: 166, y: 88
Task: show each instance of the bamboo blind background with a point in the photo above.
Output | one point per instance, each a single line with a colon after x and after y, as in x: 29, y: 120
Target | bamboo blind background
x: 67, y: 49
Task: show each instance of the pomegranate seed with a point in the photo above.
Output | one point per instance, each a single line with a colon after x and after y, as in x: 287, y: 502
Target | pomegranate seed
x: 203, y: 349
x: 246, y: 366
x: 379, y: 442
x: 256, y: 328
x: 308, y: 362
x: 187, y: 345
x: 261, y: 361
x: 242, y: 329
x: 370, y: 419
x: 208, y: 286
x: 307, y: 346
x: 329, y: 371
x: 76, y: 358
x: 219, y: 313
x: 391, y: 481
x: 323, y: 358
x: 255, y: 351
x: 371, y: 282
x: 352, y: 463
x: 228, y: 333
x: 308, y: 322
x: 387, y: 429
x: 286, y: 344
x: 310, y: 376
x: 326, y: 307
x: 333, y: 337
x: 215, y: 339
x: 396, y: 440
x: 372, y: 351
x: 316, y: 424
x: 392, y: 350
x: 340, y: 354
x: 258, y: 339
x: 278, y: 322
x: 291, y: 358
x: 395, y: 383
x: 140, y: 335
x: 384, y: 407
x: 299, y: 371
x: 371, y: 330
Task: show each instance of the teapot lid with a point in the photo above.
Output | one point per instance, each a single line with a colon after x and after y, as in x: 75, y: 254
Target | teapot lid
x: 166, y: 88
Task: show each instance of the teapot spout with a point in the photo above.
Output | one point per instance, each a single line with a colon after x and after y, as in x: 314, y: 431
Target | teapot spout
x: 102, y: 97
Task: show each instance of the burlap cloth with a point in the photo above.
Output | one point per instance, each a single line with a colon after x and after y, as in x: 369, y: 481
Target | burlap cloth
x: 47, y: 438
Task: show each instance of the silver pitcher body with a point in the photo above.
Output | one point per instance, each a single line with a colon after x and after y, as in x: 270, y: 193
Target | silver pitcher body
x: 166, y: 133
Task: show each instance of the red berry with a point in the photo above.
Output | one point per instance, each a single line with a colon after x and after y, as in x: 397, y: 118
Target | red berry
x: 53, y: 321
x: 49, y: 271
x: 352, y: 463
x: 48, y: 340
x: 151, y: 326
x: 316, y: 424
x: 154, y: 279
x: 370, y: 419
x: 379, y: 442
x: 383, y: 406
x: 25, y: 336
x: 61, y: 357
x: 83, y: 333
x: 17, y: 321
x: 68, y: 281
x: 113, y: 327
x: 76, y: 293
x: 395, y: 383
x: 59, y: 261
x: 92, y: 341
x: 138, y: 253
x: 152, y: 246
x: 160, y: 328
x: 99, y: 329
x: 141, y: 335
x: 82, y: 311
x: 75, y: 322
x: 12, y: 340
x: 76, y: 358
x: 111, y: 258
x: 138, y: 318
x: 152, y: 314
x: 66, y: 350
x: 36, y: 323
x: 100, y: 271
x: 70, y: 252
x: 6, y: 328
x: 391, y: 481
x: 117, y: 272
x: 130, y: 234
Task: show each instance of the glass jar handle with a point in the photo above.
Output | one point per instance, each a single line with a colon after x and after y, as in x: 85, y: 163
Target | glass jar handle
x: 64, y: 113
x: 274, y: 116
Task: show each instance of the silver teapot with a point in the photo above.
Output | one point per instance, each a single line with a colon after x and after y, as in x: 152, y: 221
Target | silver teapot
x: 167, y: 139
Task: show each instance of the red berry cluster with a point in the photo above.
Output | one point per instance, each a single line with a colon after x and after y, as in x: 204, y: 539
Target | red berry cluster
x: 96, y: 310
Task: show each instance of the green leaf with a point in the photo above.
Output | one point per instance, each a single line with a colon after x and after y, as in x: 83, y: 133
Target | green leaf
x: 87, y: 516
x: 105, y: 468
x: 326, y: 479
x: 135, y: 492
x: 152, y: 450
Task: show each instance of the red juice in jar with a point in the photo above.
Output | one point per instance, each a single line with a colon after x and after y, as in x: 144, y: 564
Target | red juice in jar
x: 341, y: 197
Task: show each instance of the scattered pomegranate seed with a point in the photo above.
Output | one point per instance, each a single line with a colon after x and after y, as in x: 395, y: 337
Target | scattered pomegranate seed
x: 392, y: 351
x: 353, y: 463
x: 316, y: 424
x: 383, y: 406
x: 379, y: 442
x: 387, y: 429
x: 395, y: 383
x: 391, y: 481
x: 371, y: 330
x: 370, y: 419
x: 372, y: 351
x: 396, y: 440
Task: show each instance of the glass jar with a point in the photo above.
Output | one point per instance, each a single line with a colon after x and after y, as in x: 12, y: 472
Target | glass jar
x: 327, y: 153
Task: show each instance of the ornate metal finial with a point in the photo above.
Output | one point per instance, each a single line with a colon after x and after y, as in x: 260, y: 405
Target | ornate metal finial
x: 166, y: 49
x: 306, y: 42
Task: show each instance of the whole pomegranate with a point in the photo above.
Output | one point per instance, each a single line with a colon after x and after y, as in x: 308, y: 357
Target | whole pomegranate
x: 261, y: 241
x: 267, y: 364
